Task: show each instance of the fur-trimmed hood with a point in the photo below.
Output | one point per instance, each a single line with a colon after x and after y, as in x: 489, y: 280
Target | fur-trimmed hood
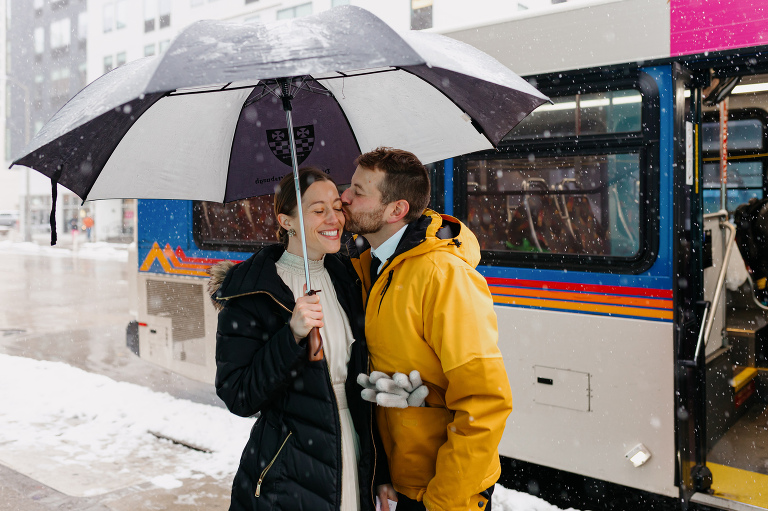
x: 218, y: 272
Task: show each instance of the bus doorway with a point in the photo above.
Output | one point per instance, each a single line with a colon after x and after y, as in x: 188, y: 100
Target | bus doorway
x: 736, y: 333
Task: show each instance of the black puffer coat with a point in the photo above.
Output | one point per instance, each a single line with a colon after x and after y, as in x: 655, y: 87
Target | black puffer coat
x: 293, y: 457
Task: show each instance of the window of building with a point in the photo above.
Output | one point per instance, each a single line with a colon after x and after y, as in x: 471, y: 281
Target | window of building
x: 59, y: 85
x: 121, y: 14
x: 39, y: 89
x: 164, y: 8
x: 522, y: 7
x: 82, y: 26
x: 249, y: 1
x: 8, y: 136
x: 8, y: 99
x: 335, y: 3
x: 163, y: 45
x: 82, y: 71
x: 149, y: 50
x: 61, y: 32
x: 421, y: 14
x: 38, y: 126
x: 39, y: 35
x: 108, y: 18
x: 120, y: 59
x: 108, y: 66
x: 295, y: 12
x: 252, y: 19
x: 150, y: 13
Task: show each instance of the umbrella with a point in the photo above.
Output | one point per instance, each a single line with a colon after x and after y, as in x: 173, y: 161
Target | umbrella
x: 229, y: 108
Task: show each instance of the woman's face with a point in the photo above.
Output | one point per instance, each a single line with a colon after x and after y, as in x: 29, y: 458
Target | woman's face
x: 323, y: 221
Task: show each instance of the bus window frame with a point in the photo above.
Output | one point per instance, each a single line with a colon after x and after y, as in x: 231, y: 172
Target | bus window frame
x: 644, y: 142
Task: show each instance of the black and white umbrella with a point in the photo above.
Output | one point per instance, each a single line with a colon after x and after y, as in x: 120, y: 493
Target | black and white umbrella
x: 209, y: 118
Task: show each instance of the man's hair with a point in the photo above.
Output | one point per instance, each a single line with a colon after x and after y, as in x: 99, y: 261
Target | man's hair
x: 405, y: 178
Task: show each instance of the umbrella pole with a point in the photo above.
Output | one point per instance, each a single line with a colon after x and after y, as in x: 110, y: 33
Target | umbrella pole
x: 315, y: 340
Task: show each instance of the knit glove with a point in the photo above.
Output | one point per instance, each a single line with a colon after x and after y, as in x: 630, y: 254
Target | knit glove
x: 400, y: 391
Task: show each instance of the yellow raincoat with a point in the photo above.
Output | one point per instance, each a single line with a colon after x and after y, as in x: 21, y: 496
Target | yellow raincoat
x: 430, y: 310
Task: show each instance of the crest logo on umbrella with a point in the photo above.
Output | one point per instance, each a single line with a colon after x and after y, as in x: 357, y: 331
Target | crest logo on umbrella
x: 281, y: 147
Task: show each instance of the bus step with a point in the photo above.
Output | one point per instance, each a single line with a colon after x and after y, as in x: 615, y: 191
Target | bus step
x: 742, y: 379
x: 721, y: 503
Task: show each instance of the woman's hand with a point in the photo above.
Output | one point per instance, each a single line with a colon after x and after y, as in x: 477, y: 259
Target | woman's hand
x: 386, y: 492
x: 307, y: 314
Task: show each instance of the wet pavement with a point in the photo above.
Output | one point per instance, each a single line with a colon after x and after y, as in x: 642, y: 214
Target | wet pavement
x: 75, y: 311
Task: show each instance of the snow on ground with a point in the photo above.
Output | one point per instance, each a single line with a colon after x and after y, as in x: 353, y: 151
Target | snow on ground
x: 78, y: 418
x: 97, y: 250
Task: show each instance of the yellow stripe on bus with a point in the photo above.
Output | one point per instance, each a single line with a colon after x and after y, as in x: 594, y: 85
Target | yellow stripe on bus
x: 739, y: 485
x: 584, y: 307
x: 582, y: 297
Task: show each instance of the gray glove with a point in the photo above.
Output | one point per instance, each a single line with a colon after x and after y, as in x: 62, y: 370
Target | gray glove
x: 400, y: 391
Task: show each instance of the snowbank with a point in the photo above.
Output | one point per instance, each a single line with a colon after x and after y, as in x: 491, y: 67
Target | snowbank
x: 78, y: 421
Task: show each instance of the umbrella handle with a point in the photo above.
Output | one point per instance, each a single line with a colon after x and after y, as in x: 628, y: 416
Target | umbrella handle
x: 315, y: 345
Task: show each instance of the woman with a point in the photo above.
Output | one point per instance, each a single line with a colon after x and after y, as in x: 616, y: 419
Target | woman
x: 309, y: 449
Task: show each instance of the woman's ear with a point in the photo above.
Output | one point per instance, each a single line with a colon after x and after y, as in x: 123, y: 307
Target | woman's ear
x: 285, y: 221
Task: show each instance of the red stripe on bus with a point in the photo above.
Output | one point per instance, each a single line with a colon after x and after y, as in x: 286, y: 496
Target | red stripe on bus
x: 592, y: 288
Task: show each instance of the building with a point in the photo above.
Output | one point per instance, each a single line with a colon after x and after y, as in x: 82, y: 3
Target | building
x: 46, y: 47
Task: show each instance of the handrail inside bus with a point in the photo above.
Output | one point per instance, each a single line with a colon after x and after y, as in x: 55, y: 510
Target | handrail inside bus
x: 709, y: 314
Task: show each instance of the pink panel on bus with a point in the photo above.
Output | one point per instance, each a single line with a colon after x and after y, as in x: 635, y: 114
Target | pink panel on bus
x: 710, y: 25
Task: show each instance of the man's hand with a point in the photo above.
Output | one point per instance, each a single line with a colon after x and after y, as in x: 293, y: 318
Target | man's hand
x: 386, y: 492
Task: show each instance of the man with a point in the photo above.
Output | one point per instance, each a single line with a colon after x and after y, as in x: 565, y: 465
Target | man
x: 428, y: 309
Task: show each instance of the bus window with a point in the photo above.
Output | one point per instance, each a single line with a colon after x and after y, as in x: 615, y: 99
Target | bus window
x: 746, y: 157
x: 583, y: 114
x: 745, y: 181
x: 574, y: 204
x: 240, y: 226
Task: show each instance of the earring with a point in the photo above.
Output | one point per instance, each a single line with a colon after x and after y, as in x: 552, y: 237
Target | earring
x: 291, y: 232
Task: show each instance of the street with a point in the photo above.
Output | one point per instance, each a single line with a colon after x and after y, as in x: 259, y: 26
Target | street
x: 75, y: 310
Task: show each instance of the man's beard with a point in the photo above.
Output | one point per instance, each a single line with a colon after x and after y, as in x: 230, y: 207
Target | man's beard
x: 365, y: 223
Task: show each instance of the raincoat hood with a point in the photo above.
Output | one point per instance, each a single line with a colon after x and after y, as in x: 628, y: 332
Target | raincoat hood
x: 432, y: 232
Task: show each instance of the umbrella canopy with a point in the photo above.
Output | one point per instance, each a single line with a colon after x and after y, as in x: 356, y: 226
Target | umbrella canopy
x: 206, y: 120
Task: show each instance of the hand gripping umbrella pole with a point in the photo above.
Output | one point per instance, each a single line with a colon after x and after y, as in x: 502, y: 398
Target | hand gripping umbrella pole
x: 315, y: 344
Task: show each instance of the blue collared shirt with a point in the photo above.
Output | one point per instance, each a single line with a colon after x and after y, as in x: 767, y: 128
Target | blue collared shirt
x: 388, y: 248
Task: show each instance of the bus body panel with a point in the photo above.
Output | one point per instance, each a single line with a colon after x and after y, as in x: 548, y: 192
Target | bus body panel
x: 621, y: 368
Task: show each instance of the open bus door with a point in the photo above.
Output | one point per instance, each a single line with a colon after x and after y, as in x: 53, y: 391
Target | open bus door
x: 721, y: 415
x: 691, y: 310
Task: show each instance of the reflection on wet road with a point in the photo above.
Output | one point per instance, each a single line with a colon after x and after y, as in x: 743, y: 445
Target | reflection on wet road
x: 75, y: 311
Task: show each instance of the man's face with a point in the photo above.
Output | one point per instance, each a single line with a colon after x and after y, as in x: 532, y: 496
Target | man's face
x: 363, y: 209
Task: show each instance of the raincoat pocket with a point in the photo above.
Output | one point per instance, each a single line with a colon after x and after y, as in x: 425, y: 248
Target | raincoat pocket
x: 269, y: 473
x: 416, y: 434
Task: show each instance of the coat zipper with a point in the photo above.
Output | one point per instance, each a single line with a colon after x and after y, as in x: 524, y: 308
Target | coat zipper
x: 373, y: 443
x: 266, y: 469
x: 257, y: 293
x: 338, y: 428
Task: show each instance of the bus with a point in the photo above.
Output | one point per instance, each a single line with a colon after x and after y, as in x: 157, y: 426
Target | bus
x: 638, y: 376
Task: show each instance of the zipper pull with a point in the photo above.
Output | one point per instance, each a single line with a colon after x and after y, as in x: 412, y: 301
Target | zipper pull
x: 258, y: 487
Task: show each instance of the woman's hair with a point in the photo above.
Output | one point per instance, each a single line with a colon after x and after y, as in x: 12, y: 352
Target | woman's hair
x: 285, y: 195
